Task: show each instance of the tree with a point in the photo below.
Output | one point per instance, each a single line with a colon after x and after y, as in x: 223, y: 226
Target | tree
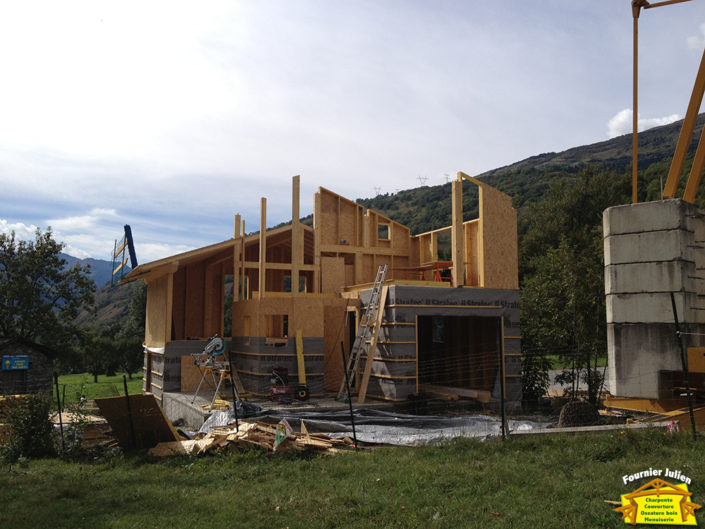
x: 131, y: 336
x: 39, y: 296
x: 561, y: 266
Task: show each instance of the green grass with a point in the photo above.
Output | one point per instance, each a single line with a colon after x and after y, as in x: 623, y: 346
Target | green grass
x: 82, y: 383
x: 541, y: 481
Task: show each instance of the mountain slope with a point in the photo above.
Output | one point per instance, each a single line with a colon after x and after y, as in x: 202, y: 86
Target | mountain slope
x: 426, y: 208
x: 100, y: 271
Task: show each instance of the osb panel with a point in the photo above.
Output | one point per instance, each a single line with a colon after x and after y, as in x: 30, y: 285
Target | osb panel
x: 327, y: 227
x: 332, y: 274
x: 191, y: 376
x: 304, y: 313
x: 155, y: 323
x: 400, y: 237
x: 335, y: 322
x: 369, y: 268
x: 195, y: 300
x: 499, y: 245
x: 179, y: 309
x: 349, y: 275
x: 213, y: 305
x: 348, y: 222
x: 472, y: 254
x: 414, y: 251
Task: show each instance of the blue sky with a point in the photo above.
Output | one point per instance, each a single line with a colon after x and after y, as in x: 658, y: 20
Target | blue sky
x: 174, y: 116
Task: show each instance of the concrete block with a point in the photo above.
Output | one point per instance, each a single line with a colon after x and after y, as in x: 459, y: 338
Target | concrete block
x: 648, y: 308
x: 668, y: 276
x: 671, y: 214
x: 652, y: 246
x: 636, y: 354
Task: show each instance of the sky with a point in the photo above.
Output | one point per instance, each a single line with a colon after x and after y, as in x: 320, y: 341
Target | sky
x: 173, y: 116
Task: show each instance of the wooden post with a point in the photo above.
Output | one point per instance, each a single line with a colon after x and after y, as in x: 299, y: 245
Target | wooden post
x: 262, y: 247
x: 317, y: 242
x: 636, y: 8
x: 458, y: 250
x: 236, y: 258
x: 696, y: 172
x: 242, y: 265
x: 297, y: 242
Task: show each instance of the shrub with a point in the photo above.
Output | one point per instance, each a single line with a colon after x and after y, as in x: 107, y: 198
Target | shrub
x: 29, y: 428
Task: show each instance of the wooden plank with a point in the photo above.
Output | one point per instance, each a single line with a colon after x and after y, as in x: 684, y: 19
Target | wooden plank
x: 696, y: 356
x: 301, y: 366
x: 373, y: 346
x: 317, y: 228
x: 644, y: 405
x: 297, y: 236
x: 262, y: 247
x: 236, y: 257
x: 149, y: 422
x: 457, y: 238
x: 477, y: 394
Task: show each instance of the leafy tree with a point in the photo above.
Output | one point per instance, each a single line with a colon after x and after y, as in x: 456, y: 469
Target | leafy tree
x: 131, y: 336
x: 39, y: 296
x: 561, y: 266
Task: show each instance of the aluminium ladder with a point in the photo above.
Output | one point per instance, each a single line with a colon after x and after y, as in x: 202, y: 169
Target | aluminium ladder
x: 367, y: 332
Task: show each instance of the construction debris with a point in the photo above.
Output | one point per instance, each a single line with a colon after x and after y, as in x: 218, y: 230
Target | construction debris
x: 258, y: 434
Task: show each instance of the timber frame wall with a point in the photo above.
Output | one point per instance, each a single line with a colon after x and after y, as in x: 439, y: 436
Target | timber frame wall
x: 330, y: 263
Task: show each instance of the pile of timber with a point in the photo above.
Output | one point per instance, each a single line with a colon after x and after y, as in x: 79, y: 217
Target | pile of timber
x: 252, y: 434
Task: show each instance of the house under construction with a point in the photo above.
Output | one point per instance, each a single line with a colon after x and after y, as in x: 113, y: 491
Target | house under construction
x: 449, y: 309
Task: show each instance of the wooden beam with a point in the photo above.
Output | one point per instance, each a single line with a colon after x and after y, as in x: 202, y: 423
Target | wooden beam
x: 691, y: 115
x: 236, y: 257
x: 297, y: 236
x: 696, y: 172
x: 242, y: 265
x: 262, y: 247
x: 169, y: 307
x: 372, y: 350
x: 378, y: 250
x: 277, y: 266
x: 448, y: 391
x: 458, y: 250
x: 317, y: 242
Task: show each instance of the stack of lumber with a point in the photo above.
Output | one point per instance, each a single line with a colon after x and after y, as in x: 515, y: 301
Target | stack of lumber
x: 250, y: 434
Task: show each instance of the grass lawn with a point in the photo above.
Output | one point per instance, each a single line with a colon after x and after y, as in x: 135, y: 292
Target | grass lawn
x: 540, y: 481
x: 82, y: 383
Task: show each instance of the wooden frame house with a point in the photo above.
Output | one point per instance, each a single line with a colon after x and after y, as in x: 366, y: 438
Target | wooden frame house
x: 433, y: 337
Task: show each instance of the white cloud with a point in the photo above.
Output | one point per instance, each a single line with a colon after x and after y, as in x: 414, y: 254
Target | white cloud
x: 22, y: 231
x: 621, y: 123
x: 697, y: 42
x: 153, y: 251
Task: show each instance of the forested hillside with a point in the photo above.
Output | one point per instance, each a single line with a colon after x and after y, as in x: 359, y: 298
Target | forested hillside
x: 428, y: 207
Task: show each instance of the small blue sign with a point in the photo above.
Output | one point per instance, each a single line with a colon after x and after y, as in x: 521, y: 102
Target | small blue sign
x: 16, y: 362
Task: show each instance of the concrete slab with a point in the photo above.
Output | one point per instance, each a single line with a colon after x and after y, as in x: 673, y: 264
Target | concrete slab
x: 646, y: 247
x: 645, y: 216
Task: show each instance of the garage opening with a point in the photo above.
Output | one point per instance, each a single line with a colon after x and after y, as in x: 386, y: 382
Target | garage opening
x: 458, y: 351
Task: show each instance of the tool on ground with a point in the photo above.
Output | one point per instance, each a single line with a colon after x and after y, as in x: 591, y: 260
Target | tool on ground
x: 279, y: 390
x: 301, y: 390
x: 212, y: 360
x: 367, y: 332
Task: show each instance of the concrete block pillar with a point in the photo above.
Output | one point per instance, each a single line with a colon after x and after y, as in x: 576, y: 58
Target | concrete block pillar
x: 651, y: 249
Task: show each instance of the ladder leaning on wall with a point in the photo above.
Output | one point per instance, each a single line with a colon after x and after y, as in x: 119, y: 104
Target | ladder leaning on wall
x: 367, y: 333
